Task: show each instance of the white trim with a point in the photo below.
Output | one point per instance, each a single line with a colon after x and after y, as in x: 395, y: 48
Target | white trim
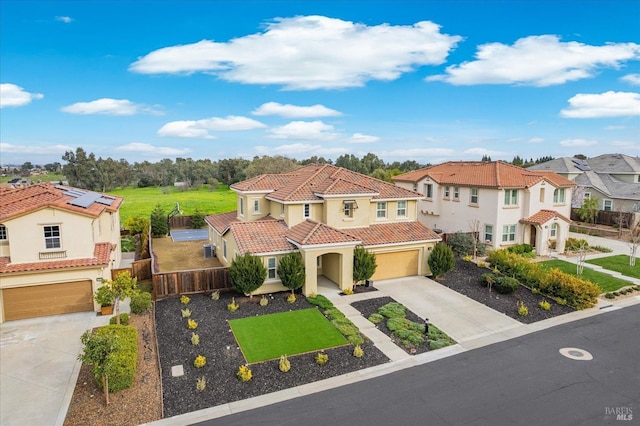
x: 238, y: 191
x: 294, y: 202
x: 360, y: 194
x: 328, y: 245
x: 375, y: 200
x: 403, y: 243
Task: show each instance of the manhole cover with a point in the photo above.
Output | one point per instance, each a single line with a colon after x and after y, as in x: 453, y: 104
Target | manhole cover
x: 577, y: 354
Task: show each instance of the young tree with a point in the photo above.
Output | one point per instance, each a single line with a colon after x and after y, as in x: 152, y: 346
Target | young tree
x: 291, y: 271
x: 96, y: 352
x: 159, y: 225
x: 441, y: 260
x: 588, y: 210
x: 122, y: 287
x: 364, y: 264
x: 197, y: 219
x: 247, y: 273
x: 474, y: 226
x: 634, y: 243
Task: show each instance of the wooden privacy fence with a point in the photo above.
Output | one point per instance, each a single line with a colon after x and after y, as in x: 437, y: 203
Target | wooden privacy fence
x: 167, y: 284
x: 140, y: 269
x: 608, y: 218
x: 180, y: 222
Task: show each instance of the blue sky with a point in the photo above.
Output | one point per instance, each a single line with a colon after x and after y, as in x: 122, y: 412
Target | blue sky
x: 430, y: 81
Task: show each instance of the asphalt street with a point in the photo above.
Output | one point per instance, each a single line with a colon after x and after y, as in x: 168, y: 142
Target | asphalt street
x: 523, y: 381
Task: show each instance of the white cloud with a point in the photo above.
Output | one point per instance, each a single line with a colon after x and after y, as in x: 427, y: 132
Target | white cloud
x: 309, y: 52
x: 34, y: 149
x: 537, y: 61
x: 608, y: 104
x: 300, y: 150
x: 304, y: 130
x: 626, y: 145
x: 65, y: 19
x: 108, y: 106
x: 294, y: 111
x: 536, y: 140
x: 633, y: 79
x: 12, y: 96
x: 360, y: 138
x: 150, y: 149
x: 482, y: 151
x: 201, y: 128
x: 614, y: 127
x: 573, y: 143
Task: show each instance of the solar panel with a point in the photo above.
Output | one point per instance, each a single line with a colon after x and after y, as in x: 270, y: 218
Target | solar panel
x: 581, y: 164
x: 86, y: 200
x: 106, y: 200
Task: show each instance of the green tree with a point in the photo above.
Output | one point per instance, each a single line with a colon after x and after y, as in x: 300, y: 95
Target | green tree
x: 96, y: 352
x: 291, y: 271
x: 247, y: 273
x: 122, y: 287
x: 159, y: 225
x: 364, y: 264
x: 197, y: 219
x: 441, y: 260
x: 588, y: 210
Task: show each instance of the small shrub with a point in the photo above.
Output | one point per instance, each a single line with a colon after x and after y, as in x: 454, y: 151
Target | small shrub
x: 191, y: 324
x: 535, y: 291
x: 195, y: 339
x: 561, y: 301
x: 616, y: 293
x: 140, y: 302
x: 358, y: 352
x: 355, y: 339
x: 215, y: 295
x: 124, y: 319
x: 201, y: 384
x: 200, y: 361
x: 321, y: 301
x: 574, y: 244
x: 467, y: 258
x: 291, y: 298
x: 376, y: 318
x: 186, y: 312
x: 348, y: 291
x: 637, y: 288
x: 345, y: 326
x: 334, y: 313
x: 184, y: 299
x: 244, y: 373
x: 284, y: 364
x: 487, y: 279
x: 124, y: 360
x: 610, y: 296
x: 322, y: 359
x: 392, y: 310
x: 482, y: 265
x: 461, y: 243
x: 233, y: 306
x: 602, y: 249
x: 506, y: 285
x: 264, y: 301
x: 523, y: 311
x: 441, y: 260
x: 544, y: 305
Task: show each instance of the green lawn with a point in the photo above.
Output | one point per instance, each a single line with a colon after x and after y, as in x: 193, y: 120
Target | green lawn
x: 268, y: 337
x: 141, y: 201
x: 618, y: 263
x: 606, y: 282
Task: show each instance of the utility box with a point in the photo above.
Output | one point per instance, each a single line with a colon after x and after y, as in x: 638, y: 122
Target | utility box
x: 209, y: 251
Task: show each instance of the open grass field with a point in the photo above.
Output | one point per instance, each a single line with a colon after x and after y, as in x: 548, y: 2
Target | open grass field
x: 266, y: 337
x: 618, y: 263
x: 141, y: 201
x: 606, y: 282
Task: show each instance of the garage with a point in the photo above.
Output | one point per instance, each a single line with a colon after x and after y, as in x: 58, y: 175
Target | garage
x: 44, y: 300
x: 396, y: 264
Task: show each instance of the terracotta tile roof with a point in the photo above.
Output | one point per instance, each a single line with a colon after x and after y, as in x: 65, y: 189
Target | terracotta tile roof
x: 20, y: 201
x: 310, y: 232
x: 312, y: 182
x: 261, y: 236
x: 101, y: 257
x: 544, y: 216
x: 394, y: 233
x: 490, y: 174
x: 221, y: 222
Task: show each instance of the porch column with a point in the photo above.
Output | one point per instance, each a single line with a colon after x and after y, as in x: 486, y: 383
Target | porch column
x: 311, y: 273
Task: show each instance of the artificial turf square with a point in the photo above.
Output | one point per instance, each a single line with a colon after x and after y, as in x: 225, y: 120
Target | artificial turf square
x: 266, y: 337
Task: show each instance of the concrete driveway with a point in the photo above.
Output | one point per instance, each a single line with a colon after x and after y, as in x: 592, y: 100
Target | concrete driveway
x: 39, y: 367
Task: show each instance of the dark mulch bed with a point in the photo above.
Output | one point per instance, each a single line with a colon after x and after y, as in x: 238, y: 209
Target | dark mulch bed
x: 357, y: 289
x: 465, y: 279
x: 224, y: 358
x: 370, y: 306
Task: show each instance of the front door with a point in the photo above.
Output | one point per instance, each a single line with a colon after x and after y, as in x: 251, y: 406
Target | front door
x: 532, y: 234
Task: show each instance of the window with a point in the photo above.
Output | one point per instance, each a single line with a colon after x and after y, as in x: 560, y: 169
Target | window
x: 224, y: 248
x: 607, y: 205
x: 558, y: 196
x: 488, y: 233
x: 428, y: 190
x: 587, y: 195
x: 52, y: 237
x: 307, y: 211
x: 415, y: 186
x: 510, y: 197
x: 349, y: 206
x: 456, y: 192
x: 474, y: 196
x: 271, y: 268
x: 256, y: 206
x: 281, y: 209
x: 3, y: 232
x: 447, y: 192
x: 508, y: 233
x: 542, y: 195
x: 381, y: 210
x: 554, y: 230
x: 402, y: 209
x: 241, y: 206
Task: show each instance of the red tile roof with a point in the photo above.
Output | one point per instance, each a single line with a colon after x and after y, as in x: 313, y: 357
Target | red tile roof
x: 544, y: 216
x: 261, y: 236
x: 221, y: 222
x: 312, y: 182
x: 394, y: 233
x: 20, y: 201
x: 101, y: 257
x: 490, y: 174
x: 310, y: 232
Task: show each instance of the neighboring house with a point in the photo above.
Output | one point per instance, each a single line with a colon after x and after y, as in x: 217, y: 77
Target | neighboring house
x: 504, y: 204
x: 324, y: 212
x: 612, y: 179
x: 57, y: 244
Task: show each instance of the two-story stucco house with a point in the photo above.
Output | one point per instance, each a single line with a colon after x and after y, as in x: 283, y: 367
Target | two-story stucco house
x: 510, y: 205
x: 324, y: 212
x: 57, y: 244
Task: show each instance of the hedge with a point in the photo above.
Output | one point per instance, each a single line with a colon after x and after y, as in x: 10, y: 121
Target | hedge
x: 140, y: 302
x: 576, y: 292
x: 124, y: 359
